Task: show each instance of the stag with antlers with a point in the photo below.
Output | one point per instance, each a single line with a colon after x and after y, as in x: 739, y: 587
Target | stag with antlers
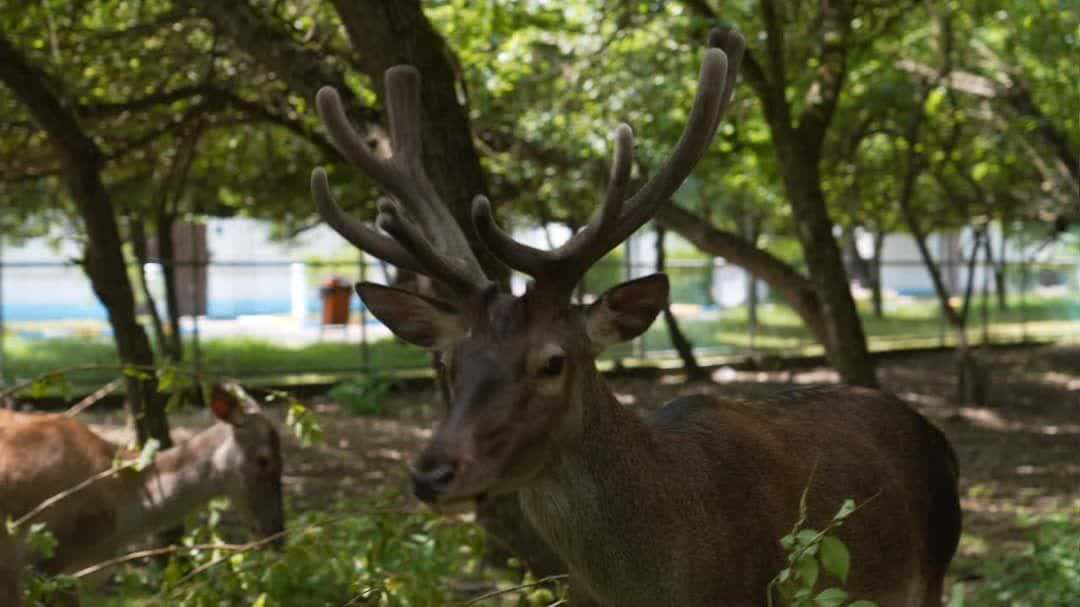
x: 682, y: 509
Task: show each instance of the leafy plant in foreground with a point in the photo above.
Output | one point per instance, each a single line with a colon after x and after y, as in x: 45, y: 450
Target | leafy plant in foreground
x: 809, y: 552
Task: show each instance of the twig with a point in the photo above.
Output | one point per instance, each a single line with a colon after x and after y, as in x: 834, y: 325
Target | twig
x: 495, y: 593
x: 141, y: 554
x: 53, y: 500
x: 90, y: 400
x: 259, y: 543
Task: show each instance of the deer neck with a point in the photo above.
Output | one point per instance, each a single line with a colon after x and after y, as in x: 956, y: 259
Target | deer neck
x: 180, y: 480
x: 598, y: 483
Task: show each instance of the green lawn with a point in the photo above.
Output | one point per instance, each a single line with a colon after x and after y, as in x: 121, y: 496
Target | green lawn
x: 910, y: 324
x: 780, y: 330
x: 227, y: 357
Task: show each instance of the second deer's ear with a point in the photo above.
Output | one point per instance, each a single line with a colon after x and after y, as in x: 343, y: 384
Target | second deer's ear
x: 419, y: 320
x: 225, y: 406
x: 626, y: 310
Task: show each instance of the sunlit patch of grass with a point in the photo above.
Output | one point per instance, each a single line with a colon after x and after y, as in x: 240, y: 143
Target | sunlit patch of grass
x: 972, y: 545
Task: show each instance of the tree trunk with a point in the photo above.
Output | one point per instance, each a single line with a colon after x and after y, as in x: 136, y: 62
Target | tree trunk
x: 682, y: 345
x: 103, y: 258
x: 753, y: 230
x: 875, y: 274
x: 1001, y: 288
x: 167, y: 254
x: 845, y: 342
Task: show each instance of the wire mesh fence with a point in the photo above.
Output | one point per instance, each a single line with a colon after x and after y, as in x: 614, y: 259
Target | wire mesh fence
x: 255, y: 318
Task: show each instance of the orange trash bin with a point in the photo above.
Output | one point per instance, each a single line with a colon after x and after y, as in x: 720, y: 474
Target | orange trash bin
x: 336, y: 294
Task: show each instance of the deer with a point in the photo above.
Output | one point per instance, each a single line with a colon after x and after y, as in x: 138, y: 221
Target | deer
x: 44, y: 455
x: 686, y: 507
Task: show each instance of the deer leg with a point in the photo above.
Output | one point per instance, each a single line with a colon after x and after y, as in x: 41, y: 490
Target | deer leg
x: 11, y: 569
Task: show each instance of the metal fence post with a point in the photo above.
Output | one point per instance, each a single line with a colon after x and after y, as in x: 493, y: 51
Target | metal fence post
x: 1024, y: 270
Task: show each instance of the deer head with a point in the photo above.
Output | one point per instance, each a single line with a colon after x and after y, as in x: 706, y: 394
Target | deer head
x: 250, y: 458
x: 519, y: 368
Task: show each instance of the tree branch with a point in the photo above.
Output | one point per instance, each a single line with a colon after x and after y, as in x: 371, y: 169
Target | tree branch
x: 824, y: 91
x: 795, y: 288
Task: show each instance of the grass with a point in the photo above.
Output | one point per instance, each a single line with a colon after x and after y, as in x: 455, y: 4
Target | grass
x: 229, y: 357
x: 908, y: 324
x: 780, y: 330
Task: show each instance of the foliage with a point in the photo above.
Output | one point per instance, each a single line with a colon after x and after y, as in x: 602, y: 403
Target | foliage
x: 352, y: 554
x: 809, y: 553
x: 1045, y: 574
x: 363, y: 395
x: 376, y: 559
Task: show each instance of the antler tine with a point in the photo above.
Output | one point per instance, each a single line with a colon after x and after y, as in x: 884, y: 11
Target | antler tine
x: 618, y: 217
x: 541, y: 263
x: 518, y: 256
x: 356, y: 232
x: 347, y: 140
x: 621, y: 163
x: 426, y: 238
x: 696, y: 136
x: 435, y: 264
x: 734, y: 46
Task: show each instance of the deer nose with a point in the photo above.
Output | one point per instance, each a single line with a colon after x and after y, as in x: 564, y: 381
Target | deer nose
x: 432, y: 479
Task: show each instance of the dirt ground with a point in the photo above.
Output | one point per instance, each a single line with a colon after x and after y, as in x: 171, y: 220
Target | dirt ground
x: 1019, y: 454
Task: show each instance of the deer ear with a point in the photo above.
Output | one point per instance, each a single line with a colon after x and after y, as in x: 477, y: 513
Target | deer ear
x: 626, y: 310
x: 419, y: 320
x: 225, y: 407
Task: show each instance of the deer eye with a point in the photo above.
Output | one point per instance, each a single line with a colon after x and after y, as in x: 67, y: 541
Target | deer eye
x: 553, y: 366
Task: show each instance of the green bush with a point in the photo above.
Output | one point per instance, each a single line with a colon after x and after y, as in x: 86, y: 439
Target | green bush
x: 364, y: 395
x: 1046, y: 574
x: 345, y: 557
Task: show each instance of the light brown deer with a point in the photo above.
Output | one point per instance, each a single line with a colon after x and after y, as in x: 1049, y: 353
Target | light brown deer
x: 42, y: 455
x: 684, y: 509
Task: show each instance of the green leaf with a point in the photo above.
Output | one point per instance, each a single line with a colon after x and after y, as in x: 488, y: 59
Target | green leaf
x: 136, y: 373
x: 830, y: 597
x: 979, y: 171
x: 64, y: 385
x: 863, y: 603
x: 176, y: 399
x: 41, y: 541
x: 166, y: 377
x: 845, y: 510
x: 835, y: 557
x: 956, y: 596
x: 787, y: 542
x: 808, y: 572
x: 146, y: 455
x: 806, y: 537
x: 38, y: 387
x: 303, y: 423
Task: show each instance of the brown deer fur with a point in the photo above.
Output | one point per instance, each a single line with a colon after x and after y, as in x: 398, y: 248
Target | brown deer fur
x: 42, y: 455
